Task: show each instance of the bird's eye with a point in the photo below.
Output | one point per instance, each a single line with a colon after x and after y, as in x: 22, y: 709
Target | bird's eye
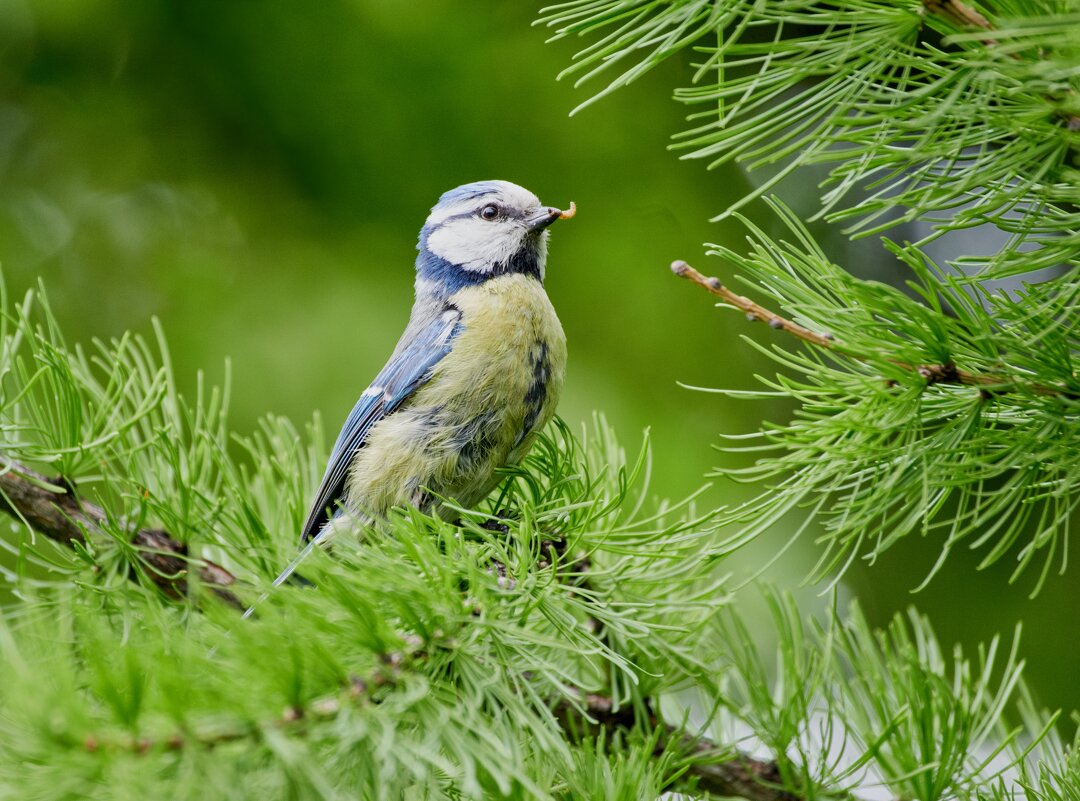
x: 489, y: 212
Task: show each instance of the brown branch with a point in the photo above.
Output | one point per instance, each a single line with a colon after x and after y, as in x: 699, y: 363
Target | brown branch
x: 932, y: 373
x: 714, y: 768
x: 33, y: 498
x: 292, y: 720
x: 753, y: 310
x: 741, y: 776
x: 964, y: 16
x: 959, y: 14
x: 60, y: 516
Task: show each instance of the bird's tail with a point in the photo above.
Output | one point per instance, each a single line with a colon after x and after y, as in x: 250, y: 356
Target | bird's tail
x: 290, y: 568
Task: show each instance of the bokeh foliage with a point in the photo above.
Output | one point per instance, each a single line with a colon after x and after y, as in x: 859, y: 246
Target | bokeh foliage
x: 256, y: 178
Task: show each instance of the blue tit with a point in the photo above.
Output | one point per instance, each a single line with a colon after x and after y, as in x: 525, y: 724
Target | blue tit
x: 475, y: 376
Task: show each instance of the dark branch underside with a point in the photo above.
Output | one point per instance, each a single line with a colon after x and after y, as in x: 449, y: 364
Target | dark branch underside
x: 26, y: 495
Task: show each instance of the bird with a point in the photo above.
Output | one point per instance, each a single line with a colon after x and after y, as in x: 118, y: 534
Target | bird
x: 473, y: 379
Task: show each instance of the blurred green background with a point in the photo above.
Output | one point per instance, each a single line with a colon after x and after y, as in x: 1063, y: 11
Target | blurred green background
x: 255, y: 174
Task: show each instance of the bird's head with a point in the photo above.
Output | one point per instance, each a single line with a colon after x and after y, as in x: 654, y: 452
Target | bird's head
x: 481, y: 230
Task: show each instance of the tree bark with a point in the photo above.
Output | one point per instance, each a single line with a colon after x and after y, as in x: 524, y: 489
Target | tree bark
x: 66, y: 519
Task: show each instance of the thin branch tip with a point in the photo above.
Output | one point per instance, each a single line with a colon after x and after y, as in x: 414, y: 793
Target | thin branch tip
x: 752, y: 310
x: 941, y: 373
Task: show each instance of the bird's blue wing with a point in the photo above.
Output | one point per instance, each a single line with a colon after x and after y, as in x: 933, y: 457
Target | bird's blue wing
x: 408, y: 370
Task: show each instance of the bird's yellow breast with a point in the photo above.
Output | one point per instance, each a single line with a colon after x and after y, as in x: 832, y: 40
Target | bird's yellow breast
x: 481, y: 408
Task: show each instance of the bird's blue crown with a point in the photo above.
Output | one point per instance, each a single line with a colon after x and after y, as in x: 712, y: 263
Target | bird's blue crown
x: 473, y: 191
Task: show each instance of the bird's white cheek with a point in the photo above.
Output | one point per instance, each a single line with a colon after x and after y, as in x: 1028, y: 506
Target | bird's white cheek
x: 475, y: 244
x: 541, y: 253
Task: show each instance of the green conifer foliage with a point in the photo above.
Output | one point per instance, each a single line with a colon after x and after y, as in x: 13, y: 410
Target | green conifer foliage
x: 574, y: 638
x: 947, y: 406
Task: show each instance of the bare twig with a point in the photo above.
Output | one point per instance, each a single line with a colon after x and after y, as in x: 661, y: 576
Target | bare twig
x: 753, y: 310
x: 932, y: 373
x: 60, y: 516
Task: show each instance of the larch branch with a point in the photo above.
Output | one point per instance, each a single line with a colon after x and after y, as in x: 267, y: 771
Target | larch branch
x: 959, y: 13
x: 947, y: 373
x: 64, y: 518
x: 965, y: 16
x: 739, y: 776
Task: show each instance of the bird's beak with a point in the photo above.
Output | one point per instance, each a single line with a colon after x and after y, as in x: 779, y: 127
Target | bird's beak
x: 543, y: 218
